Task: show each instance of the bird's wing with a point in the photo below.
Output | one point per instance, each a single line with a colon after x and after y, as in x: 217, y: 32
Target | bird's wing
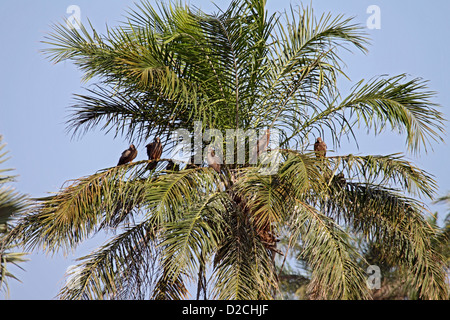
x: 157, y: 151
x: 124, y: 156
x: 126, y: 153
x: 150, y: 150
x: 133, y: 154
x: 322, y: 148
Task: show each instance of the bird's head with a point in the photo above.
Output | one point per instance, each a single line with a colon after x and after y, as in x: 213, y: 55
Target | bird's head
x: 132, y: 147
x: 157, y: 139
x: 319, y: 140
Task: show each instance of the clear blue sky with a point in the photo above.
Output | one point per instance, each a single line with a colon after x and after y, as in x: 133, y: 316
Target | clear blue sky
x: 35, y: 96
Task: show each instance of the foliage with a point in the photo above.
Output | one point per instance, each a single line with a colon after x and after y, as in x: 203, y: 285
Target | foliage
x: 11, y: 203
x: 240, y: 68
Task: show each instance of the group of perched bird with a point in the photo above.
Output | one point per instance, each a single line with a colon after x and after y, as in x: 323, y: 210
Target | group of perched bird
x: 154, y: 151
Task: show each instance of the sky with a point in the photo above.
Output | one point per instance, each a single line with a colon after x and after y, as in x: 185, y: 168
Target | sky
x: 36, y: 95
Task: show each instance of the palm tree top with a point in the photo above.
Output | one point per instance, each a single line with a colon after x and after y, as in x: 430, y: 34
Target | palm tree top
x: 240, y: 68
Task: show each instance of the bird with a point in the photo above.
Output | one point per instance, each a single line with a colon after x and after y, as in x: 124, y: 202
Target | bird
x: 128, y: 155
x: 213, y: 160
x: 320, y: 148
x: 339, y: 179
x: 261, y: 145
x: 154, y: 151
x: 191, y: 164
x: 172, y: 166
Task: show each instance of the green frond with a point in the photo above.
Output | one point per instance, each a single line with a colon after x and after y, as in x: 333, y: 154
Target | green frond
x: 168, y: 286
x: 301, y: 173
x: 305, y: 65
x: 12, y: 205
x: 397, y: 224
x: 172, y: 193
x: 243, y: 267
x: 404, y: 105
x: 78, y: 210
x: 389, y: 170
x: 265, y: 199
x: 199, y: 231
x: 136, y: 116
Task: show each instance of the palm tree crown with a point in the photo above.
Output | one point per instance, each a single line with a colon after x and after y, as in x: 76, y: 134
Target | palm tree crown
x: 242, y: 68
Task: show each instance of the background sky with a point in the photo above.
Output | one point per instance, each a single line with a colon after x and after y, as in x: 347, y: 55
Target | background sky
x: 35, y: 97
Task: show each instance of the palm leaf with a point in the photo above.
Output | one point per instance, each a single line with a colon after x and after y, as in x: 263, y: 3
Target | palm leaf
x: 108, y: 272
x: 243, y: 266
x: 198, y: 232
x: 396, y: 223
x: 326, y: 244
x: 12, y: 204
x: 387, y: 170
x: 405, y: 107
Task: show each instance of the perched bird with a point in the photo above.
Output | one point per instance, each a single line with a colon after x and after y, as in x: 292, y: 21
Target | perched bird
x: 261, y: 146
x: 320, y: 148
x: 154, y: 151
x: 213, y: 160
x: 128, y: 155
x: 339, y: 179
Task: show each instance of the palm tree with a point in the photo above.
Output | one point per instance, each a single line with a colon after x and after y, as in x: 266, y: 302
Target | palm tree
x: 171, y: 66
x: 11, y: 203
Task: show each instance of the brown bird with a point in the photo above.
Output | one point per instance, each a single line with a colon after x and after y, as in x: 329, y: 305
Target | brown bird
x: 213, y: 160
x: 261, y: 146
x: 320, y: 148
x: 128, y: 155
x: 154, y: 151
x: 339, y: 179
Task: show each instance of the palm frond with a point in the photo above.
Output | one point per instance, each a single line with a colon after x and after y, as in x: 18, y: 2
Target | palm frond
x: 243, y: 266
x: 404, y: 105
x: 108, y: 272
x: 12, y: 204
x: 304, y: 66
x: 169, y: 286
x: 387, y: 170
x: 69, y: 217
x: 135, y: 116
x: 264, y: 199
x: 326, y: 244
x: 397, y: 224
x: 198, y: 232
